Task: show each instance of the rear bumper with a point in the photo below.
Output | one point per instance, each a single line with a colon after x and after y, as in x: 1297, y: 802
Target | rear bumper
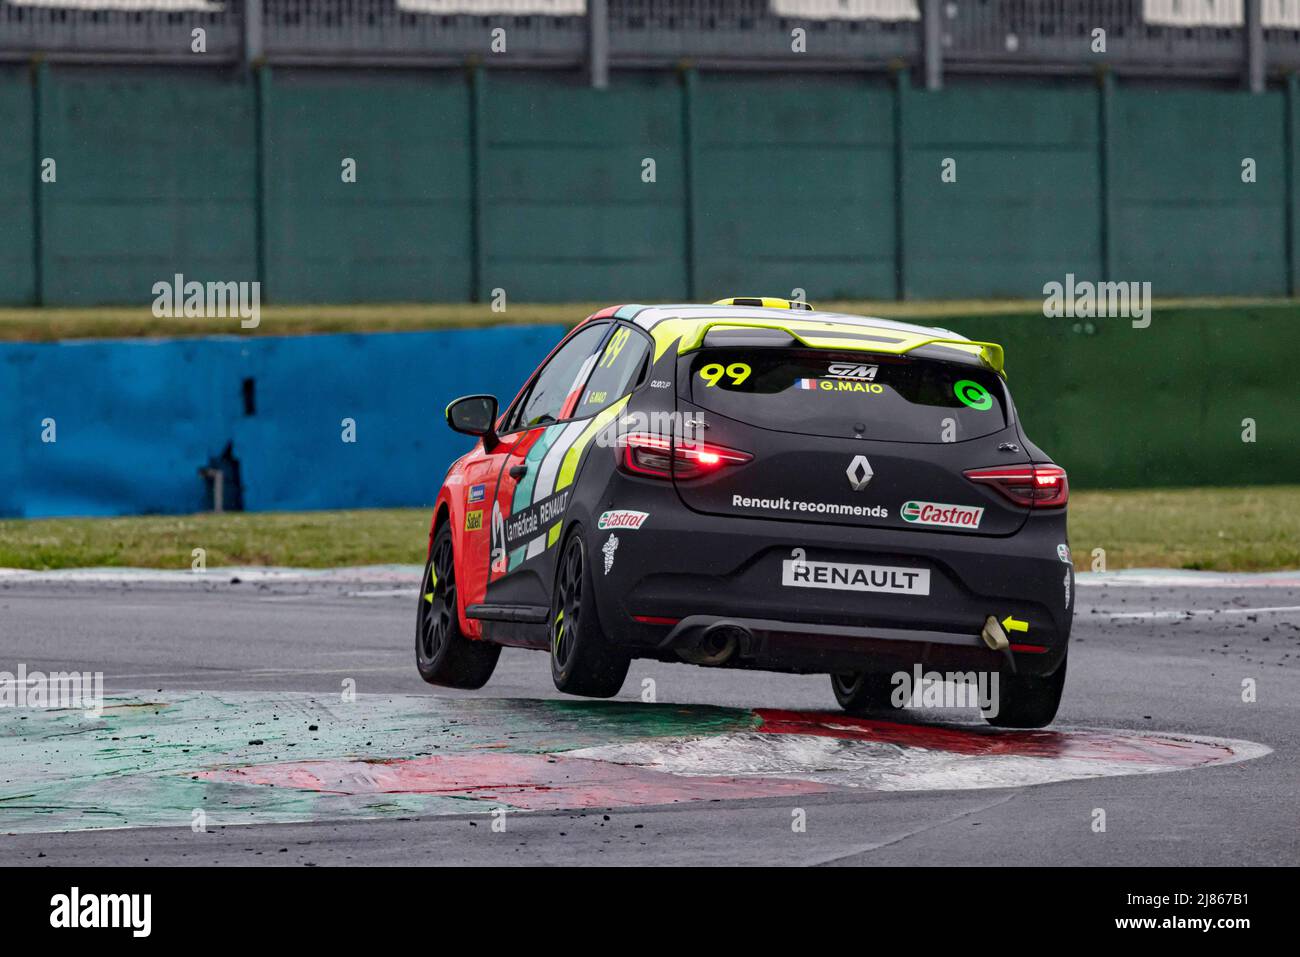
x: 682, y: 572
x: 770, y: 645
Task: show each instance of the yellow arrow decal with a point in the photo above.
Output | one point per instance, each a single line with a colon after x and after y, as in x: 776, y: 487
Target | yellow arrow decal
x: 429, y: 598
x: 1014, y: 624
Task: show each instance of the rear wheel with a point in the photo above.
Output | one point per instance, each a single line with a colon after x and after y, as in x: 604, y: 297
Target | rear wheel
x: 863, y: 691
x: 443, y: 655
x: 1028, y: 702
x: 582, y: 660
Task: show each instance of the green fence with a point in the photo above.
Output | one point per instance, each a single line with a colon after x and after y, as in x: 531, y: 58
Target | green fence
x: 666, y: 185
x: 1166, y: 405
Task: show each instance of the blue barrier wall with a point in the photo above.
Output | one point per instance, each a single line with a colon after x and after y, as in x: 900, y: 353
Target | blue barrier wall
x: 135, y: 420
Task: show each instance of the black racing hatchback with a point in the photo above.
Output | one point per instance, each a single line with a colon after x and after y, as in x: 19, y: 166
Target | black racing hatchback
x: 788, y: 491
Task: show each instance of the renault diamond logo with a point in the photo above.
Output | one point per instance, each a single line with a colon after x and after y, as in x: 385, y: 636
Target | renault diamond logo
x: 859, y: 473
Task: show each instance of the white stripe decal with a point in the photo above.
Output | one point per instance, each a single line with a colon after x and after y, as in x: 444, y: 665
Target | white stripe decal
x: 581, y: 377
x: 536, y: 547
x: 554, y: 456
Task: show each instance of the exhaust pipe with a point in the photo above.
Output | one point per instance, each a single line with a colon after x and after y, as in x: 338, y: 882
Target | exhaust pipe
x: 716, y: 645
x: 996, y: 639
x: 993, y: 635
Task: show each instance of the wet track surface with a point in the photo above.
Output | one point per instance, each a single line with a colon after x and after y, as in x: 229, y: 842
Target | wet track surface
x: 227, y: 698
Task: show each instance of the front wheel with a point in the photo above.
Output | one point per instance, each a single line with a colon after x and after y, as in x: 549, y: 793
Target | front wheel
x: 582, y: 660
x: 443, y: 655
x: 1028, y: 702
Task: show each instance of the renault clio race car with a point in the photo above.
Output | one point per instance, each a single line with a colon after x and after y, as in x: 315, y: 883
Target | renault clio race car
x: 754, y: 484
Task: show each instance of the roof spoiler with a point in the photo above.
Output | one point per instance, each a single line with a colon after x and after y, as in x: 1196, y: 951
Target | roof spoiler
x: 990, y: 353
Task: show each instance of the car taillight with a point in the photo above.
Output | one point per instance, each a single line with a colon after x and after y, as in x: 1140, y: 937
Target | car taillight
x: 659, y: 456
x: 1038, y: 486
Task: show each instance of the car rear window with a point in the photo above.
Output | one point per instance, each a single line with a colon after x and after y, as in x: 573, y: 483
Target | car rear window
x: 892, y: 398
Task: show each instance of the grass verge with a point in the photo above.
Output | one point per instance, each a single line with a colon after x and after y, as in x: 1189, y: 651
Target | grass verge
x: 126, y: 322
x: 1241, y: 529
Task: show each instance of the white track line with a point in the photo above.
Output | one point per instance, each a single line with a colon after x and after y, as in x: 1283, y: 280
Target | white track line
x: 1144, y: 615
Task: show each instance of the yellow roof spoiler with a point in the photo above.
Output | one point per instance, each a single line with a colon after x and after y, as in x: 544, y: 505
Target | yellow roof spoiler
x: 891, y: 341
x: 766, y: 302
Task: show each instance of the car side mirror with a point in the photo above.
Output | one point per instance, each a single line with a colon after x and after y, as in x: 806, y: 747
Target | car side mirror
x: 475, y: 415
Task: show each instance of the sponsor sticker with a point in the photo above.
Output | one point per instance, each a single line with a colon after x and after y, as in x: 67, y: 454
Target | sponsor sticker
x: 498, y: 541
x: 784, y: 504
x: 1063, y: 553
x: 849, y: 370
x: 972, y: 394
x: 622, y: 518
x: 533, y: 520
x: 938, y: 513
x: 474, y: 520
x: 477, y: 493
x: 896, y: 580
x: 608, y: 550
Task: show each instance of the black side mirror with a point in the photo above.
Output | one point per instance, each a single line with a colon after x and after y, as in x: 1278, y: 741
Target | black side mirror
x: 475, y: 415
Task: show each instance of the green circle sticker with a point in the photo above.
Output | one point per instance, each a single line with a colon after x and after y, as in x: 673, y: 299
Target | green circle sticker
x: 973, y: 394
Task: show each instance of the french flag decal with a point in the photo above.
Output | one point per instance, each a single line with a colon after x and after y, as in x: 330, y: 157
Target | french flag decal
x: 807, y: 383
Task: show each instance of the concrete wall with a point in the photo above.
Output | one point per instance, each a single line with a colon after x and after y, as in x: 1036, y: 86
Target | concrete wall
x: 1117, y: 406
x: 136, y: 419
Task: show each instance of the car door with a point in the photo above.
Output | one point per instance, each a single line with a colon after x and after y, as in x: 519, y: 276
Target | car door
x: 527, y: 511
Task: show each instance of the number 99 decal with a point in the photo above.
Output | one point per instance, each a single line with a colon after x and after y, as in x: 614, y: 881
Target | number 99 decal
x: 713, y: 373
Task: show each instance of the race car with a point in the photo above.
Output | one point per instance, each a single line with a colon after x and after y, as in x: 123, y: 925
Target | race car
x: 755, y: 484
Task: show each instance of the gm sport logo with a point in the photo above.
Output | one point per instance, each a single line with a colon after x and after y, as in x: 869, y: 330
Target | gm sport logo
x: 849, y: 370
x: 937, y: 513
x: 75, y: 909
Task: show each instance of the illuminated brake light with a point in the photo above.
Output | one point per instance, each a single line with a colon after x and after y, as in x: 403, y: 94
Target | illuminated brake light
x: 656, y: 456
x: 1037, y: 486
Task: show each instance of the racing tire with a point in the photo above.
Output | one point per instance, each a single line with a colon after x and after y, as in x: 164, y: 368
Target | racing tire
x: 863, y: 691
x: 582, y: 660
x: 443, y: 654
x: 1028, y: 702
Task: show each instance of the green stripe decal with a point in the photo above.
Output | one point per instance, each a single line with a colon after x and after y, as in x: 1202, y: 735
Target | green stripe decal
x: 524, y: 490
x: 569, y: 468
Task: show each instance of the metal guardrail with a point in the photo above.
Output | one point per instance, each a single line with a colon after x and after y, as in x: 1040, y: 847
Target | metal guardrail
x: 1195, y: 38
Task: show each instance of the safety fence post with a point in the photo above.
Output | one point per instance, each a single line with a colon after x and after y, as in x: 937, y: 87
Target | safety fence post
x: 1105, y: 165
x: 902, y: 81
x: 40, y: 87
x: 932, y: 45
x: 598, y: 43
x: 690, y: 149
x: 477, y: 84
x: 1291, y: 215
x: 262, y: 161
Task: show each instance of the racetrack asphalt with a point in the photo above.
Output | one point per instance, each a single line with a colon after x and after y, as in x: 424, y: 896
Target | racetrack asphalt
x: 1154, y: 655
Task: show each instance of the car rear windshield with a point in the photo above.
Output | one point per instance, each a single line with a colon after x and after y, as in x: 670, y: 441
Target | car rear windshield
x: 892, y: 398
